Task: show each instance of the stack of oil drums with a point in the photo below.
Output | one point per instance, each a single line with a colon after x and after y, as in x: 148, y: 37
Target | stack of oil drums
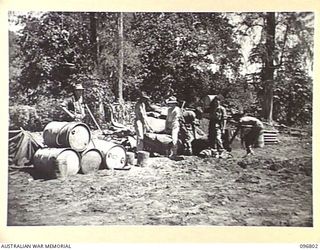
x: 71, y: 150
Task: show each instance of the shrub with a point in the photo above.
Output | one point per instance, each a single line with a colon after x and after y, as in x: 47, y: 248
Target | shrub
x: 23, y: 116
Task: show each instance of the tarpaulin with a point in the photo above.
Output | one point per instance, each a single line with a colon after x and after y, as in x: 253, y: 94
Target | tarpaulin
x: 22, y: 147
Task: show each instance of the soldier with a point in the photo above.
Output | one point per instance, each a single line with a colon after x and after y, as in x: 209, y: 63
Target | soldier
x: 217, y: 124
x: 188, y: 128
x: 253, y: 128
x: 75, y: 106
x: 173, y: 124
x: 141, y: 123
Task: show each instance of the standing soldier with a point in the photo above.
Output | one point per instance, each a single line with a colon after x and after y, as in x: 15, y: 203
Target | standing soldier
x: 173, y: 124
x: 75, y: 106
x: 188, y: 128
x: 141, y: 123
x: 217, y: 124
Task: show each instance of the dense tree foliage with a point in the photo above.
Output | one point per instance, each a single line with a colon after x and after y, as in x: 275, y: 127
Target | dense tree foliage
x: 186, y: 54
x: 283, y: 55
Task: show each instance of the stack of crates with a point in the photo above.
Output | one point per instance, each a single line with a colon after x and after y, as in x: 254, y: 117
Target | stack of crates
x: 270, y: 136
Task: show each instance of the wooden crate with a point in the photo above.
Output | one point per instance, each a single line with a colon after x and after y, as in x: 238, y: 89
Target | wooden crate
x: 270, y: 137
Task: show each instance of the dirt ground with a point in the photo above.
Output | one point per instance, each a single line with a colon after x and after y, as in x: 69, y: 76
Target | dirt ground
x: 273, y: 188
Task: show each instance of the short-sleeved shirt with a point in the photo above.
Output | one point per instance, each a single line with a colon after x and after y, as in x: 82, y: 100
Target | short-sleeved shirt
x: 173, y: 117
x: 77, y: 107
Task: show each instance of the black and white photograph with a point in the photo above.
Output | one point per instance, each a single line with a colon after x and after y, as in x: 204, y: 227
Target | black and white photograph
x: 167, y: 118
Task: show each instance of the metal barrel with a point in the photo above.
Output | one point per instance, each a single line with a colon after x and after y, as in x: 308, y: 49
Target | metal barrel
x: 52, y: 163
x: 260, y: 140
x: 91, y: 160
x: 75, y: 135
x: 114, y: 155
x: 130, y: 158
x: 50, y: 133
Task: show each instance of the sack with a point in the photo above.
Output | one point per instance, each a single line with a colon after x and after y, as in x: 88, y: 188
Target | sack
x: 158, y: 143
x: 157, y: 125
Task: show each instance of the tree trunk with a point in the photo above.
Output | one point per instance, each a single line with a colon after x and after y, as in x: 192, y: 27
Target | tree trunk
x: 120, y: 82
x: 93, y: 39
x: 268, y: 70
x: 289, y: 108
x: 98, y: 110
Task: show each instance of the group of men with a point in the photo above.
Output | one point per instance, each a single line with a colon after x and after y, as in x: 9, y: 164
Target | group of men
x: 180, y: 124
x: 217, y: 127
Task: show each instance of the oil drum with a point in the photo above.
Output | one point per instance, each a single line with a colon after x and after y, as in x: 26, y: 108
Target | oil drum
x: 114, y: 155
x: 75, y: 135
x: 91, y: 161
x: 51, y: 163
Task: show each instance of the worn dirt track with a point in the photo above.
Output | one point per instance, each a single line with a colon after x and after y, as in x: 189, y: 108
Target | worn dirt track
x: 274, y: 188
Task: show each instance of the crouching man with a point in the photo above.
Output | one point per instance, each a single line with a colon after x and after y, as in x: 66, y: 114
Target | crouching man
x: 251, y: 130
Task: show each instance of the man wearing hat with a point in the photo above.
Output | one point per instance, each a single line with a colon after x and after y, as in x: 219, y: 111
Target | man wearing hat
x: 75, y: 107
x: 217, y: 124
x: 173, y: 123
x: 141, y: 124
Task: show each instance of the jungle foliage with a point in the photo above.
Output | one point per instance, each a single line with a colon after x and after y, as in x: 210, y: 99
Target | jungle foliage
x: 189, y: 55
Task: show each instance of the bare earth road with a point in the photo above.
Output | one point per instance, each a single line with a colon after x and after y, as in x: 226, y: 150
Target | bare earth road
x: 274, y: 188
